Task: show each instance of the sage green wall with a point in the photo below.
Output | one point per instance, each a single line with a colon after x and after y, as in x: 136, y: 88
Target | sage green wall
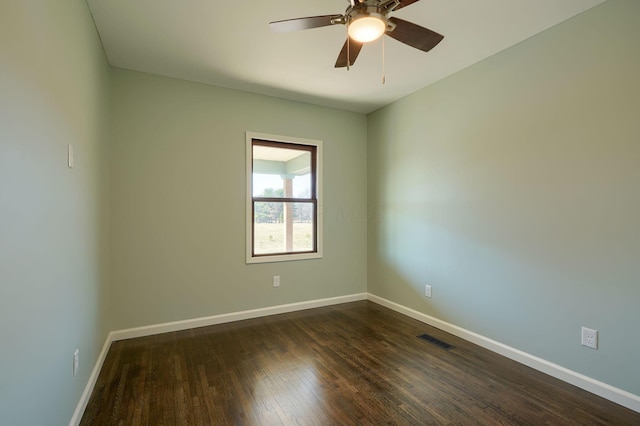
x: 178, y: 205
x: 513, y: 188
x: 53, y: 220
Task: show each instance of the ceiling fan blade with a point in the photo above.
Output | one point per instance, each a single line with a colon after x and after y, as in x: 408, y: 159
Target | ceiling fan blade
x: 354, y: 50
x: 303, y: 23
x: 414, y: 35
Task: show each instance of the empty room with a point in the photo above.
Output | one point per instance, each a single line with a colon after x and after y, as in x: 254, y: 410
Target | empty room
x: 335, y: 212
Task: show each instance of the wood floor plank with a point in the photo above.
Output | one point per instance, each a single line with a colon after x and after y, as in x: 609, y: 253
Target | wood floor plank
x: 356, y: 363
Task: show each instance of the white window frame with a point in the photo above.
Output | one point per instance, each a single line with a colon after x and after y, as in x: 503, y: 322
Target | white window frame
x: 250, y: 258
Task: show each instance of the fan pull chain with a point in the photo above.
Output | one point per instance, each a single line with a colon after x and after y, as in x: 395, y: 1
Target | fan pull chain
x: 383, y: 76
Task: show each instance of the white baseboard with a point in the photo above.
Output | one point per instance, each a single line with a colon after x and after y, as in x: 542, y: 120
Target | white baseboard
x: 230, y: 317
x: 86, y: 394
x: 604, y: 390
x: 194, y: 323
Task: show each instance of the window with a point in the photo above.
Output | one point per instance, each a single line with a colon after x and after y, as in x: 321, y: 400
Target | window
x: 284, y: 210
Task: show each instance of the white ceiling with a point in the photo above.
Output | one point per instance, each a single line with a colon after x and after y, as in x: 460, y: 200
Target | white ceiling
x: 229, y: 44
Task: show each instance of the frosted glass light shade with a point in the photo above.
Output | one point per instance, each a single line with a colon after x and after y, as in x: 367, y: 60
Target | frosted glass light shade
x: 366, y: 28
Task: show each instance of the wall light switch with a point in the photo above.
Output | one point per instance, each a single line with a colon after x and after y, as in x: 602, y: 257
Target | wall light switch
x: 427, y: 290
x: 70, y: 156
x: 76, y: 362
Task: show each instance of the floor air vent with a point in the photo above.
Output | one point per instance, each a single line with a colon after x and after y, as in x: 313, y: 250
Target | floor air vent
x: 437, y: 342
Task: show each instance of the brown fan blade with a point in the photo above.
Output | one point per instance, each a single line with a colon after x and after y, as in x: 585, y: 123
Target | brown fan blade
x: 354, y: 50
x: 414, y: 35
x: 304, y: 23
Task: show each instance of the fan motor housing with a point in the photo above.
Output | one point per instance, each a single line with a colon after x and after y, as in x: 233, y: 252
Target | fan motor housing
x: 370, y: 11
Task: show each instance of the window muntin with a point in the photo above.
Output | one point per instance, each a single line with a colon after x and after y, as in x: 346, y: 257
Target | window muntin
x: 283, y: 220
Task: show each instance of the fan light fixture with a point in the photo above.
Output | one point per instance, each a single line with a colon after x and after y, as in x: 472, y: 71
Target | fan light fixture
x: 367, y: 20
x: 367, y: 28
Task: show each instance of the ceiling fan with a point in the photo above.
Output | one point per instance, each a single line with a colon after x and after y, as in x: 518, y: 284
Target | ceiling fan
x: 366, y: 21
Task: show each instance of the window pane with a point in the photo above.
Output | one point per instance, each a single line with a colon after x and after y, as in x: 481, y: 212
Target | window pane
x: 281, y: 172
x: 283, y: 227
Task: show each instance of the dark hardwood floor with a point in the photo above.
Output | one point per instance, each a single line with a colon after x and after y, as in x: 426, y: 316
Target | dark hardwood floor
x: 356, y: 363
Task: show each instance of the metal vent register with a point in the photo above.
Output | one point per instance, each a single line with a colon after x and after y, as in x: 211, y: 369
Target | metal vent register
x: 429, y: 338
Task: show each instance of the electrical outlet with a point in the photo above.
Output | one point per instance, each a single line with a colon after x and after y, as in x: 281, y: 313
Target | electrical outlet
x: 76, y: 362
x: 276, y: 280
x: 427, y: 291
x: 589, y: 338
